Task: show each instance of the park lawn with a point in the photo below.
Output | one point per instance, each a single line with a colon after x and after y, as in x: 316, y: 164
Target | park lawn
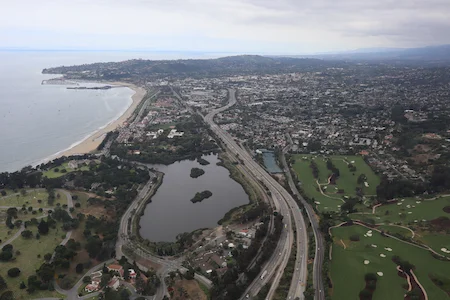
x: 52, y: 174
x: 408, y: 211
x: 347, y: 181
x: 27, y: 261
x: 309, y: 185
x: 31, y: 199
x: 82, y: 199
x: 348, y: 269
x: 390, y: 229
x: 436, y: 241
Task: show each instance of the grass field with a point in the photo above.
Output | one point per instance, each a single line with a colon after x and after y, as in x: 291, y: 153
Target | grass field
x: 52, y: 174
x: 436, y: 241
x: 31, y: 198
x: 347, y: 181
x: 28, y: 261
x: 392, y: 230
x: 348, y: 268
x: 410, y: 211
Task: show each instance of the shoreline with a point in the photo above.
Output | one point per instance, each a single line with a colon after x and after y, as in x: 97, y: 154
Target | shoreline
x: 92, y: 141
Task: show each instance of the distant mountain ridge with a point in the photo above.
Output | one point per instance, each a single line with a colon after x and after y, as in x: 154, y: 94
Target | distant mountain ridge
x: 427, y: 54
x: 230, y: 65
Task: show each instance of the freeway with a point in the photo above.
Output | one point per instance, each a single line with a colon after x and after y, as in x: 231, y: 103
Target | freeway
x: 320, y: 248
x: 287, y: 207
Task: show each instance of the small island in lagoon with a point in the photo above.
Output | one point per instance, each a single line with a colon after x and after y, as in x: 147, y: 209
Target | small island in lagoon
x: 199, y: 197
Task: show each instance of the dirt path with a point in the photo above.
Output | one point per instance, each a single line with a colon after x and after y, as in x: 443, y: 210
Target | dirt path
x: 408, y: 279
x: 378, y: 205
x: 320, y: 189
x: 420, y: 285
x: 358, y: 222
x: 343, y: 244
x: 404, y: 227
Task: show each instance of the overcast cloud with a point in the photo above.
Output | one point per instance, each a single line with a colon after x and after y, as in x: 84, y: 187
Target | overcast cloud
x: 263, y: 26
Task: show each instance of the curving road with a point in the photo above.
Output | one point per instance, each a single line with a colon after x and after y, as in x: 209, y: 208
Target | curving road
x: 287, y: 207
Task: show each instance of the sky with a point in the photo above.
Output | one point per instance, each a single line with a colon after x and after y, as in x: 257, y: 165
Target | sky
x: 241, y: 26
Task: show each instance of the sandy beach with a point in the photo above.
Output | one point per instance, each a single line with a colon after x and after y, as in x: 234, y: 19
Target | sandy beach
x: 92, y: 142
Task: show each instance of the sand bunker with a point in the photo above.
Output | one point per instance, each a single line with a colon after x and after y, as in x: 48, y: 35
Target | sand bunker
x: 388, y: 249
x: 374, y: 246
x: 445, y: 250
x: 317, y: 202
x: 399, y: 203
x: 366, y: 184
x: 383, y: 255
x: 366, y: 262
x: 380, y: 274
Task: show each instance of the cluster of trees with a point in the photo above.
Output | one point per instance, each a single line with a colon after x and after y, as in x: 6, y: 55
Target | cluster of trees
x: 389, y: 189
x: 335, y: 171
x: 440, y: 178
x: 227, y: 287
x: 315, y: 169
x: 196, y: 172
x: 369, y: 289
x: 163, y: 150
x: 199, y: 197
x: 109, y: 173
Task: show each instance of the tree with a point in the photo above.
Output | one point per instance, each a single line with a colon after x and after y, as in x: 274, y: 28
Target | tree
x: 22, y: 285
x: 48, y: 256
x: 79, y: 268
x: 5, y: 255
x: 13, y: 272
x: 87, y: 279
x: 8, y: 247
x: 8, y: 295
x: 124, y: 295
x: 3, y: 284
x: 43, y: 227
x: 27, y: 234
x: 106, y: 278
x: 93, y: 246
x: 46, y: 272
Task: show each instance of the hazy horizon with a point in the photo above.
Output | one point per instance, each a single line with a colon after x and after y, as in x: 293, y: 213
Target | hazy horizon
x: 234, y: 26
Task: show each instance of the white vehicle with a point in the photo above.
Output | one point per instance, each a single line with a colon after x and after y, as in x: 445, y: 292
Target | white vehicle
x: 263, y: 274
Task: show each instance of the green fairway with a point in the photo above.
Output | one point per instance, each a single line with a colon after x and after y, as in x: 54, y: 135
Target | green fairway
x: 412, y: 210
x: 58, y: 171
x: 30, y: 257
x: 348, y: 268
x: 392, y: 230
x: 346, y: 184
x: 35, y: 198
x: 436, y: 241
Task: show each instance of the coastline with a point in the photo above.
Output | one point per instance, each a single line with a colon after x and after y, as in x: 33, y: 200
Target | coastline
x: 91, y: 142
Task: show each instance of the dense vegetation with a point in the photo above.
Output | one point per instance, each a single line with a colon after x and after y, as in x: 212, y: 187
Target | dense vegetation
x: 199, y: 197
x: 196, y: 172
x: 163, y: 150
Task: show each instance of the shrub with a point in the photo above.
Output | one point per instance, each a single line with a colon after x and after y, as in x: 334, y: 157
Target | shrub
x: 13, y: 272
x: 354, y: 238
x: 8, y: 247
x: 5, y: 255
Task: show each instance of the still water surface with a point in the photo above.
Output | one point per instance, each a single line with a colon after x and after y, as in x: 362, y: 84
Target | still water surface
x: 171, y: 212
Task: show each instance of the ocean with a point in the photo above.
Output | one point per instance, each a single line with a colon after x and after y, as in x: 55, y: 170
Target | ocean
x: 38, y: 121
